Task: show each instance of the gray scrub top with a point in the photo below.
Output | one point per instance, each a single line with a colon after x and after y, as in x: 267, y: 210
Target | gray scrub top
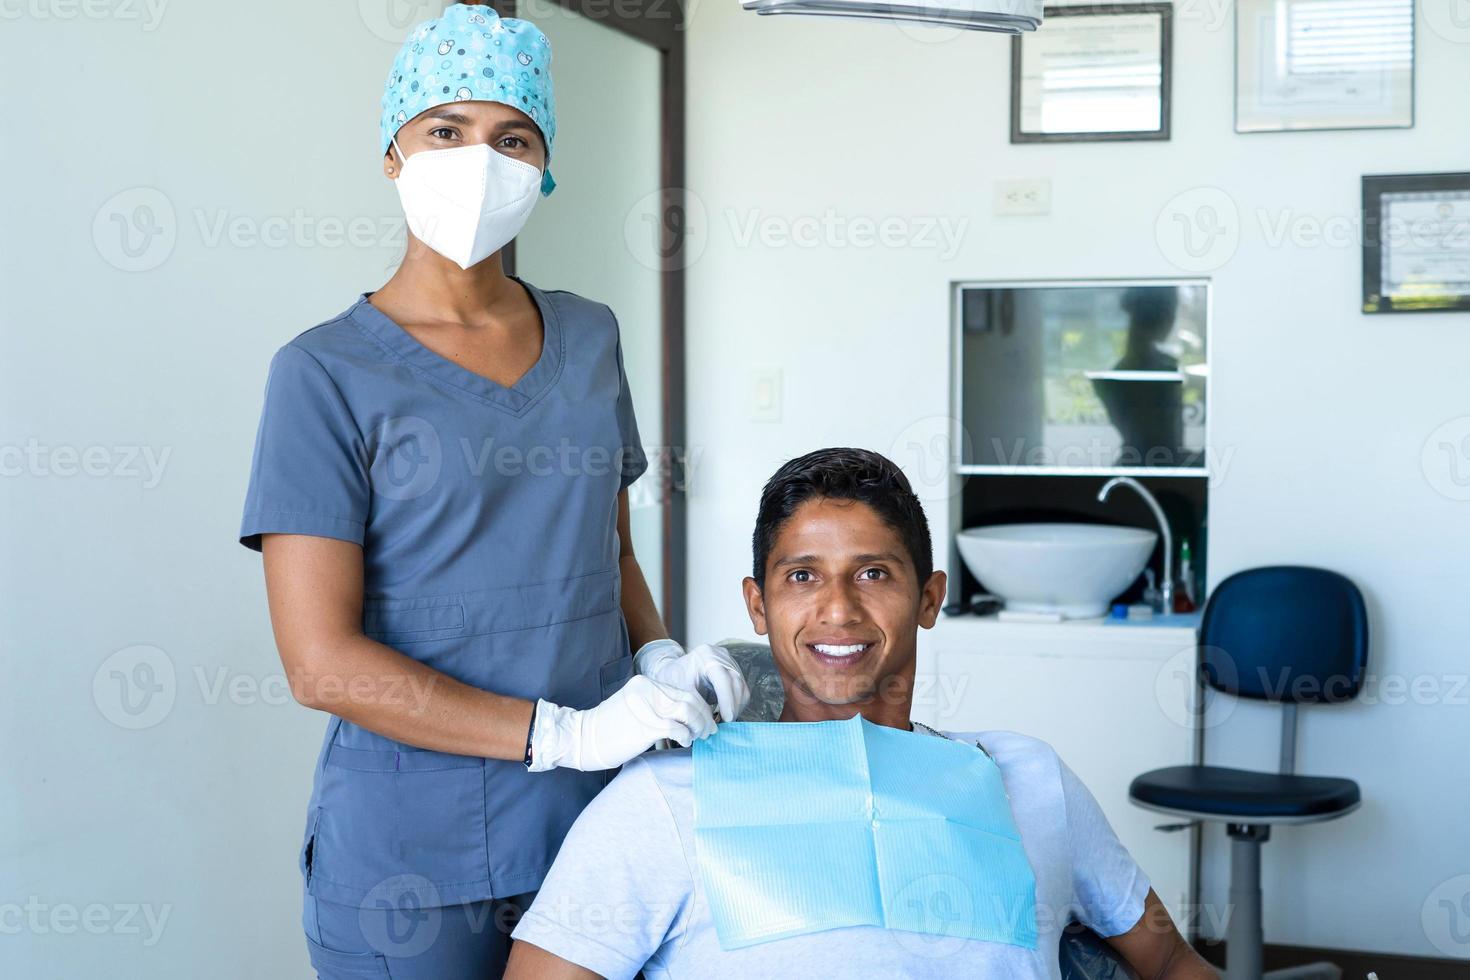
x: 488, y: 521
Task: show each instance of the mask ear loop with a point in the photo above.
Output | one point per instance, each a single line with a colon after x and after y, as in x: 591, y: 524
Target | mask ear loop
x: 393, y: 142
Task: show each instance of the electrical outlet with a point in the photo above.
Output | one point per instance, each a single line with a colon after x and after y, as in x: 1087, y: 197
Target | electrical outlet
x: 1029, y: 196
x: 765, y: 395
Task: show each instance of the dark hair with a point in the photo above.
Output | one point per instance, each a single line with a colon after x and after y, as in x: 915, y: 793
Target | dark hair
x: 843, y: 474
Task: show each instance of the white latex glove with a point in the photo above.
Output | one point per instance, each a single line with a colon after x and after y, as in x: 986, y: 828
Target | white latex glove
x: 707, y: 670
x: 618, y: 729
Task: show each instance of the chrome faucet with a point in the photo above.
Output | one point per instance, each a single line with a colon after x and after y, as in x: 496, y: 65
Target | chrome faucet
x: 1166, y: 588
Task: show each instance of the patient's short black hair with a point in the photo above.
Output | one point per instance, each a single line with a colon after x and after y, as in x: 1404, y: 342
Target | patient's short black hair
x: 843, y: 474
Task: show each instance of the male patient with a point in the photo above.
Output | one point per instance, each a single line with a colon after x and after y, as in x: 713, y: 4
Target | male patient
x: 843, y: 578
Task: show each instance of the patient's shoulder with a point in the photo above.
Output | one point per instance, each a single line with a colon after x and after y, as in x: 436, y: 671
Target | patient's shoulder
x: 1012, y: 750
x: 667, y: 767
x: 666, y: 776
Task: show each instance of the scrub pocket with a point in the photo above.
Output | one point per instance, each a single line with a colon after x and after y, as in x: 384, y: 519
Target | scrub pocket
x: 308, y: 842
x: 331, y: 964
x: 386, y: 813
x: 612, y: 676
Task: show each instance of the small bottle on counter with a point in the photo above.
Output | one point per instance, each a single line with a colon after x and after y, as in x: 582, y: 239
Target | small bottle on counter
x: 1184, y: 601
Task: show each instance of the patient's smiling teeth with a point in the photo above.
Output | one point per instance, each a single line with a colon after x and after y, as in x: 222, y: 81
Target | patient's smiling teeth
x: 834, y: 650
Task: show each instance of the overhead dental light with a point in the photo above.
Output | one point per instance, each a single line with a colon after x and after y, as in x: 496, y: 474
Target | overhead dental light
x: 1003, y: 16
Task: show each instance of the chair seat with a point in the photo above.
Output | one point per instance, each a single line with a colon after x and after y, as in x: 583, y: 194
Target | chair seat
x: 1243, y: 793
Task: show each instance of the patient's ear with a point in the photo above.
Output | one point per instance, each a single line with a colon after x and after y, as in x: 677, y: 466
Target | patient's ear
x: 931, y: 599
x: 755, y: 604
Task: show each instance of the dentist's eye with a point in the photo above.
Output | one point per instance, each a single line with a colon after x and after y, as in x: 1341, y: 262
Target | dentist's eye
x: 442, y: 133
x: 514, y: 143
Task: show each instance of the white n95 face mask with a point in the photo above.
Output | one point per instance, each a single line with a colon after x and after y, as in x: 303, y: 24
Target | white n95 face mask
x: 466, y: 202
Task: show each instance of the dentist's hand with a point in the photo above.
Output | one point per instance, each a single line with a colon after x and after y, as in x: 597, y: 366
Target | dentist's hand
x: 618, y: 729
x: 707, y: 670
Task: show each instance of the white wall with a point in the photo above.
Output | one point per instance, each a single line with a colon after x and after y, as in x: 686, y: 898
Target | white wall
x: 1324, y: 411
x: 246, y: 114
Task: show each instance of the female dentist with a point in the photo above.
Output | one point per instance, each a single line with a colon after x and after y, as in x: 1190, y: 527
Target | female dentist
x: 439, y: 488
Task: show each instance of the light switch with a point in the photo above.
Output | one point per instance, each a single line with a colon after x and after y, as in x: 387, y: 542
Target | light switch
x: 765, y: 395
x: 1029, y: 196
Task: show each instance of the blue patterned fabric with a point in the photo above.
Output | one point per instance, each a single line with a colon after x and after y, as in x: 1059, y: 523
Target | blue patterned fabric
x: 804, y: 827
x: 472, y: 54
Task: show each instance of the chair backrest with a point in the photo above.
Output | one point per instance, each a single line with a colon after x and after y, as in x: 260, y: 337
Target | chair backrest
x: 1083, y: 955
x: 1285, y: 633
x: 767, y: 695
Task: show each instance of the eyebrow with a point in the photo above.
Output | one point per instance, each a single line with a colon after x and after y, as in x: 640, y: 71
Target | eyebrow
x: 449, y: 115
x: 811, y: 559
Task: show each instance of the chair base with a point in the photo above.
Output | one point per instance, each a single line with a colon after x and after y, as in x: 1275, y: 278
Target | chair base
x: 1243, y: 934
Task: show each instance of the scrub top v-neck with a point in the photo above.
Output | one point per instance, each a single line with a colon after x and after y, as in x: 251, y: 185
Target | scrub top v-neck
x: 487, y: 516
x: 515, y: 398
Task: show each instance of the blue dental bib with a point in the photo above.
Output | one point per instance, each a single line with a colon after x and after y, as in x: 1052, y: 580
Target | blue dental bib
x: 804, y: 827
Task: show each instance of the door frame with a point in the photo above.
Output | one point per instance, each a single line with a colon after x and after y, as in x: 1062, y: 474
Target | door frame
x: 660, y: 24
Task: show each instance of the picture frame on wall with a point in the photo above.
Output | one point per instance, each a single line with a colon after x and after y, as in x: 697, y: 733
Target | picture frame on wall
x: 1416, y: 243
x: 1095, y: 72
x: 1306, y: 65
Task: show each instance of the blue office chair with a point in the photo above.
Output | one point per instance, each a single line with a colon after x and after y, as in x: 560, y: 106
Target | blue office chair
x: 1290, y: 635
x: 1082, y: 954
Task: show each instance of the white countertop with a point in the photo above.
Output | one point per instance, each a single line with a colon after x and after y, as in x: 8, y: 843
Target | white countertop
x: 1173, y: 632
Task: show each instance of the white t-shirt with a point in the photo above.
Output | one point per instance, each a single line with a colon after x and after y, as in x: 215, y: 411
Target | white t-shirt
x: 625, y: 892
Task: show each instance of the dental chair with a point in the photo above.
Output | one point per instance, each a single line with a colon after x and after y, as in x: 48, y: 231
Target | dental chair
x: 1083, y: 954
x: 1289, y: 635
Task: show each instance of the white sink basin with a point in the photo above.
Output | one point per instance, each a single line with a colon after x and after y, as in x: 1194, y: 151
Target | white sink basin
x: 1071, y: 569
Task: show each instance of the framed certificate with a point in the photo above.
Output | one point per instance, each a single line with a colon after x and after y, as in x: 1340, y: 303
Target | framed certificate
x: 1416, y: 243
x: 1305, y: 64
x: 1094, y: 72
